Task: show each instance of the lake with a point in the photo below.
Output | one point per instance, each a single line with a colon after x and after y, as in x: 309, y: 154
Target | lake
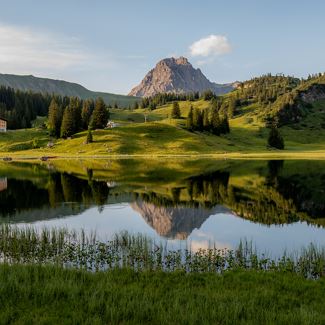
x: 277, y: 205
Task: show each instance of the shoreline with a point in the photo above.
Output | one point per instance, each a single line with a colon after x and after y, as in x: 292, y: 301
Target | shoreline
x: 218, y: 156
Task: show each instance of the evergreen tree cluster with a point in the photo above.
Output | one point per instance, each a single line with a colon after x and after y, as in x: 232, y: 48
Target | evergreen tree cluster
x: 68, y: 116
x: 207, y: 120
x: 276, y: 97
x: 266, y: 89
x: 164, y: 98
x: 21, y: 108
x: 208, y: 95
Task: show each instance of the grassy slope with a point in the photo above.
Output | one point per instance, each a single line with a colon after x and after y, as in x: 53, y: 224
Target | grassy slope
x: 39, y: 294
x: 164, y: 136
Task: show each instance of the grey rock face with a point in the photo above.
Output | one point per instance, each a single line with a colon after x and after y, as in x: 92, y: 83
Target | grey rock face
x: 176, y: 75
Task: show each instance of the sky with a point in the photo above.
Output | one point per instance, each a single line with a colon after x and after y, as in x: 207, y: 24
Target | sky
x: 110, y: 45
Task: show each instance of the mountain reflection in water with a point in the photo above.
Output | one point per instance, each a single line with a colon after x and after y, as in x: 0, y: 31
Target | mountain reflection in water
x: 269, y: 193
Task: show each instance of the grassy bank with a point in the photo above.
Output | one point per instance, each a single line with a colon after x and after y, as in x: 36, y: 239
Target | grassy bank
x: 52, y: 295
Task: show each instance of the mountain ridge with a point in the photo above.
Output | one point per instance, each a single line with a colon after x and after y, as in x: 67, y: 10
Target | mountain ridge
x: 60, y: 87
x: 176, y: 75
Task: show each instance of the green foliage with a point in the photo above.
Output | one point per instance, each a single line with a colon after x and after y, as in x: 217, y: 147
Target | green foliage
x: 275, y: 139
x: 100, y: 115
x: 176, y: 112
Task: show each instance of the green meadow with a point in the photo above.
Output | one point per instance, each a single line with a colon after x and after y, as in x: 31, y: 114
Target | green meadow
x: 36, y: 294
x: 162, y: 135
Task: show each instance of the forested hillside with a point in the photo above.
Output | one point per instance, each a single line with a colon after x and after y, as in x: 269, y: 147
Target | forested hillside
x: 62, y: 88
x: 21, y: 108
x: 280, y: 99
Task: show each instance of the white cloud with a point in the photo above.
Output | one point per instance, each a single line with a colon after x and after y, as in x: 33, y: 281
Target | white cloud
x: 213, y: 45
x: 23, y: 50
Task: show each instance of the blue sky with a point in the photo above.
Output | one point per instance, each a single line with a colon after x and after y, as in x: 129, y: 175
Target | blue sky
x: 110, y: 45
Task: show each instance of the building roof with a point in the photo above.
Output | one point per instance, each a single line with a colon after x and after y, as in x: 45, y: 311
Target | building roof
x: 4, y: 119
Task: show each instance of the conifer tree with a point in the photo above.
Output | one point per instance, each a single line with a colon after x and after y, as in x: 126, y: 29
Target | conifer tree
x: 215, y: 122
x: 197, y: 120
x: 75, y: 107
x: 176, y: 111
x: 189, y: 120
x: 275, y: 139
x: 54, y: 118
x: 232, y: 108
x: 87, y: 109
x: 224, y: 125
x: 67, y: 126
x: 100, y: 115
x: 206, y: 120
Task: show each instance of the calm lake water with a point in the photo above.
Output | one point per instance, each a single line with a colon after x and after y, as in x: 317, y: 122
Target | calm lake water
x: 278, y: 205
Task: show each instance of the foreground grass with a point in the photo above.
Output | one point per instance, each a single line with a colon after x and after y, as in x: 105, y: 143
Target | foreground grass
x: 52, y: 295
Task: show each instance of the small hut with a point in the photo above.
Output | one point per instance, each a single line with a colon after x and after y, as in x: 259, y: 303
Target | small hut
x: 3, y: 124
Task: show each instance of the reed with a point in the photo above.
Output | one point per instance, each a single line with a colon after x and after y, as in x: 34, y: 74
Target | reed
x: 79, y: 250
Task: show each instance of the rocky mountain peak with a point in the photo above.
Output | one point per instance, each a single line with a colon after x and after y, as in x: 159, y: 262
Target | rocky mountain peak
x: 176, y: 75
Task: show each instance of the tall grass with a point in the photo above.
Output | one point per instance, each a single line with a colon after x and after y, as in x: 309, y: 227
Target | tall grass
x: 79, y: 250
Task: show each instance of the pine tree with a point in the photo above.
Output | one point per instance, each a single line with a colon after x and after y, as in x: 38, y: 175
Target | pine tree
x: 176, y: 111
x: 215, y: 122
x: 197, y: 120
x: 100, y: 115
x: 67, y: 126
x: 87, y: 109
x: 224, y: 125
x: 206, y: 120
x: 189, y: 120
x: 76, y: 106
x: 232, y: 108
x: 54, y: 118
x: 275, y: 139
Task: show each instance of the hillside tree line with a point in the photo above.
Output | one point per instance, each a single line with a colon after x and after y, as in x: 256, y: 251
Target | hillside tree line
x: 21, y: 108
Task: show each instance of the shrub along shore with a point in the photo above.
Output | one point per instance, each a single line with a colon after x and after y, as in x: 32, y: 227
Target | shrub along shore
x: 75, y: 250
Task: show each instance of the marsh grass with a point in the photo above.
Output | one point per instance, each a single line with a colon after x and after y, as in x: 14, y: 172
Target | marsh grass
x: 78, y: 250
